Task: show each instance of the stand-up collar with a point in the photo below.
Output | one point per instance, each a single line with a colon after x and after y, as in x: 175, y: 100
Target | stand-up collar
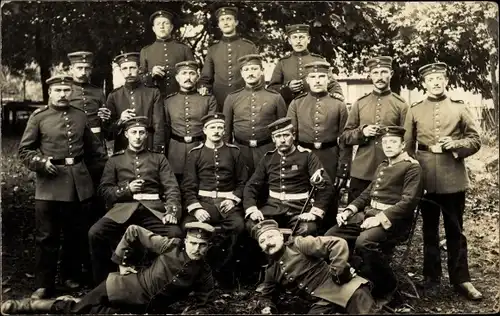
x: 230, y: 38
x: 437, y: 98
x: 164, y: 40
x: 302, y: 53
x: 319, y: 94
x: 382, y: 93
x: 257, y: 87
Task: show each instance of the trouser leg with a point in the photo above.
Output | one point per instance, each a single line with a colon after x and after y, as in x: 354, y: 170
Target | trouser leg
x: 350, y: 231
x: 456, y: 242
x: 323, y: 307
x: 356, y: 187
x: 303, y: 228
x: 47, y: 237
x: 103, y: 237
x: 430, y: 228
x: 94, y: 302
x: 144, y: 218
x: 361, y: 302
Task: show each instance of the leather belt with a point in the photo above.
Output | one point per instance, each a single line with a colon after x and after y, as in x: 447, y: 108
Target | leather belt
x: 216, y: 194
x: 318, y: 145
x: 288, y: 196
x: 253, y: 142
x: 379, y: 205
x: 146, y: 196
x: 187, y: 139
x: 95, y: 130
x: 67, y: 161
x: 436, y: 149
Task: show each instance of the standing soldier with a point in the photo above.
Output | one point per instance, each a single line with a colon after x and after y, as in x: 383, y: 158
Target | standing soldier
x: 288, y: 171
x: 158, y: 59
x: 289, y: 72
x: 220, y: 73
x: 319, y: 119
x: 446, y: 134
x: 183, y: 113
x: 368, y: 115
x: 143, y: 190
x: 249, y: 110
x: 213, y: 186
x: 55, y: 143
x: 134, y: 99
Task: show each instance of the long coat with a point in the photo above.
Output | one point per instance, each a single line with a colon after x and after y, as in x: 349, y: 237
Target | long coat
x: 58, y: 133
x: 221, y: 71
x: 301, y: 268
x: 431, y: 119
x: 147, y: 102
x: 171, y: 277
x: 126, y: 166
x: 382, y: 109
x: 164, y: 53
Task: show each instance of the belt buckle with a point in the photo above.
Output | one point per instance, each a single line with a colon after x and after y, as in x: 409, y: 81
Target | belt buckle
x: 69, y: 161
x: 282, y: 196
x: 188, y: 139
x: 253, y: 143
x: 437, y: 149
x: 317, y: 145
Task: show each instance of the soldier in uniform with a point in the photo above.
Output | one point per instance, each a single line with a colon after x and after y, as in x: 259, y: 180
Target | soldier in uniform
x: 379, y: 108
x: 249, y: 110
x: 288, y: 75
x: 178, y: 269
x: 143, y: 190
x: 446, y: 134
x: 183, y: 113
x: 383, y: 212
x: 315, y: 268
x: 212, y: 188
x: 287, y: 171
x: 157, y: 63
x: 319, y: 118
x: 135, y: 99
x: 55, y: 143
x: 220, y: 72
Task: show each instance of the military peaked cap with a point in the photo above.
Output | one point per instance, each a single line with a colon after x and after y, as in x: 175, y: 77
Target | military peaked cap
x: 280, y: 125
x: 297, y: 28
x: 122, y: 58
x: 81, y: 57
x: 317, y: 66
x: 432, y: 68
x: 250, y: 59
x: 191, y: 64
x: 163, y: 13
x: 60, y: 79
x: 213, y: 118
x: 226, y: 11
x: 393, y: 131
x: 200, y: 230
x: 380, y: 61
x: 136, y: 121
x: 264, y: 226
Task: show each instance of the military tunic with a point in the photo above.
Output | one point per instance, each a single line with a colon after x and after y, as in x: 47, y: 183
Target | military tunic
x: 221, y: 71
x: 165, y: 53
x: 146, y: 102
x: 382, y: 109
x: 319, y: 120
x: 89, y: 99
x: 302, y: 268
x: 248, y: 111
x: 183, y: 126
x: 291, y: 67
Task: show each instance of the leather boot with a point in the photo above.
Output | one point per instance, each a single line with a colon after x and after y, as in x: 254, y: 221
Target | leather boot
x: 26, y: 305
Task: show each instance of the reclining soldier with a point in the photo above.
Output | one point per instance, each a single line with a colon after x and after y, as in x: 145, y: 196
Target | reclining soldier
x: 179, y: 269
x: 382, y: 213
x: 301, y: 266
x: 214, y: 178
x: 287, y: 171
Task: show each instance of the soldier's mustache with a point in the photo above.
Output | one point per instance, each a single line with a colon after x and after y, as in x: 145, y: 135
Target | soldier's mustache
x: 380, y: 81
x: 189, y: 80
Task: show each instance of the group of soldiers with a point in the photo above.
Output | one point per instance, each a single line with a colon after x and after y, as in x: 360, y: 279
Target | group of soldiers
x: 204, y: 155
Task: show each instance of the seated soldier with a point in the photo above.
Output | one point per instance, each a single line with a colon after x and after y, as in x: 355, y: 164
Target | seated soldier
x: 212, y: 188
x: 383, y: 212
x: 135, y: 181
x: 315, y: 268
x: 178, y: 269
x: 287, y: 171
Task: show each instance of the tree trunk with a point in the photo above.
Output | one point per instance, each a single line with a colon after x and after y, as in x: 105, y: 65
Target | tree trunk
x: 494, y: 92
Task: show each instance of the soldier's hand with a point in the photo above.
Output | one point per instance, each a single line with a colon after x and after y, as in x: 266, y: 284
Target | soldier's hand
x: 295, y: 85
x: 307, y: 217
x: 104, y: 114
x: 370, y: 222
x: 126, y: 270
x: 257, y: 216
x: 447, y: 143
x: 169, y: 219
x: 201, y: 215
x: 203, y: 90
x: 266, y: 311
x: 370, y: 130
x: 317, y: 178
x: 127, y: 114
x: 227, y: 205
x: 50, y: 168
x: 136, y: 185
x: 343, y: 217
x: 339, y: 183
x: 158, y: 71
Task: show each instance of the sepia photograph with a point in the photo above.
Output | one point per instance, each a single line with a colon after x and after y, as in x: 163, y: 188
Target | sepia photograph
x: 249, y: 157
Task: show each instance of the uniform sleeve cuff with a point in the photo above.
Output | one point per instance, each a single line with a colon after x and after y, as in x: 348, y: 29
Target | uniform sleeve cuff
x: 116, y: 259
x: 250, y: 210
x: 236, y: 199
x: 317, y: 211
x: 342, y: 172
x: 384, y: 220
x: 353, y: 208
x: 194, y: 206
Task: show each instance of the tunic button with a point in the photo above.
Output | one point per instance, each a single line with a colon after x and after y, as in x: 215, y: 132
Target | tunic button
x: 291, y: 279
x: 230, y: 84
x: 282, y: 174
x: 283, y: 169
x: 66, y: 118
x: 69, y: 139
x: 281, y: 262
x: 136, y: 162
x: 312, y: 293
x: 65, y: 113
x: 138, y: 176
x: 283, y: 187
x: 69, y: 132
x: 377, y: 185
x: 375, y: 192
x: 70, y: 146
